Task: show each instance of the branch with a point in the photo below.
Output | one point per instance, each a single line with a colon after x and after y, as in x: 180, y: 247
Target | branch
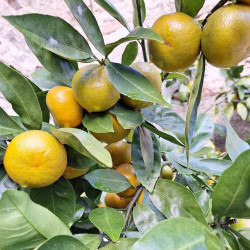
x: 131, y: 205
x: 216, y: 7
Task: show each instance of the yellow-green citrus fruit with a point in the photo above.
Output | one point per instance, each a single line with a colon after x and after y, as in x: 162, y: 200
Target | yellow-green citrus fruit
x: 71, y: 173
x: 67, y: 113
x: 141, y: 196
x: 210, y: 181
x: 248, y: 103
x: 114, y: 201
x: 35, y: 159
x: 167, y: 172
x: 226, y: 36
x: 181, y: 36
x: 111, y: 137
x: 241, y: 223
x: 120, y: 152
x: 128, y: 171
x: 154, y: 77
x: 93, y: 90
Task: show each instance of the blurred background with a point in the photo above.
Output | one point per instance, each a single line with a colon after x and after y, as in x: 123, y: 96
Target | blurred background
x: 14, y: 51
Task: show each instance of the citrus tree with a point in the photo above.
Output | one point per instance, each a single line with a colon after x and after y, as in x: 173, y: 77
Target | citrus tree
x: 118, y: 168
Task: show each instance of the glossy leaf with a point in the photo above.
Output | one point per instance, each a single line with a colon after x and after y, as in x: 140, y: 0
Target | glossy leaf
x: 7, y: 125
x: 234, y: 145
x: 144, y: 217
x: 177, y: 75
x: 233, y: 189
x: 229, y: 110
x: 130, y: 53
x: 5, y: 181
x: 121, y: 244
x: 194, y: 102
x: 44, y: 79
x: 203, y: 130
x: 109, y: 221
x: 58, y: 197
x: 242, y: 111
x: 174, y: 200
x: 136, y: 34
x: 146, y: 157
x: 84, y: 143
x: 190, y: 7
x: 41, y: 96
x: 133, y: 84
x: 3, y: 147
x: 52, y: 33
x: 177, y: 234
x: 100, y: 122
x: 107, y: 180
x: 128, y: 118
x: 88, y: 23
x: 92, y: 241
x: 142, y: 8
x: 59, y: 67
x: 60, y: 242
x: 203, y: 199
x: 24, y: 224
x: 110, y: 8
x: 166, y: 118
x: 17, y: 90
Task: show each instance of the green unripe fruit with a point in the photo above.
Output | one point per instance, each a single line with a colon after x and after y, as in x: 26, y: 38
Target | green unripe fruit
x: 167, y: 172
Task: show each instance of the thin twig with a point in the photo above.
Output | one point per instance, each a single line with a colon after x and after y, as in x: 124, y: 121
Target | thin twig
x: 164, y: 158
x: 216, y: 7
x: 131, y: 205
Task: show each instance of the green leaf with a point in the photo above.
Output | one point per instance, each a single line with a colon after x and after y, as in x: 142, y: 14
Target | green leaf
x: 128, y: 118
x: 17, y: 90
x: 59, y: 67
x: 24, y: 224
x: 190, y: 7
x: 41, y: 96
x: 136, y: 34
x: 100, y: 122
x: 203, y: 199
x: 194, y: 102
x: 133, y: 84
x: 242, y: 111
x: 61, y: 242
x: 233, y: 189
x: 107, y: 180
x: 109, y: 221
x: 58, y: 197
x: 52, y: 33
x: 130, y: 53
x: 203, y: 131
x: 92, y: 241
x: 110, y: 8
x: 234, y: 145
x: 84, y: 143
x: 44, y: 79
x: 142, y: 8
x: 146, y: 157
x: 177, y: 234
x: 88, y: 23
x: 229, y: 110
x: 174, y: 200
x: 5, y: 181
x: 177, y: 75
x: 3, y: 147
x: 121, y: 244
x: 7, y: 125
x: 144, y: 217
x: 166, y: 118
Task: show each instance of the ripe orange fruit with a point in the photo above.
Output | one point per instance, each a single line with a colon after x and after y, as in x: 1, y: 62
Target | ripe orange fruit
x: 71, y: 173
x: 154, y: 77
x: 244, y: 1
x: 128, y: 171
x: 167, y: 172
x: 35, y: 159
x: 181, y: 36
x: 93, y: 90
x: 67, y: 113
x: 111, y: 137
x: 114, y: 201
x: 120, y: 152
x: 141, y: 196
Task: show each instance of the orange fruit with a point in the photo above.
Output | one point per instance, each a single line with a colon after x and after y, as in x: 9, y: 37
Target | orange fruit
x: 128, y: 171
x: 244, y: 1
x: 141, y: 196
x: 35, y: 159
x: 120, y: 152
x: 67, y: 113
x: 111, y: 137
x: 114, y: 201
x: 93, y: 90
x: 71, y: 173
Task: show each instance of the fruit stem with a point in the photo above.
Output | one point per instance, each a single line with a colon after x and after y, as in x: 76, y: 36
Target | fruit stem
x: 216, y: 7
x: 142, y: 43
x: 131, y: 205
x: 98, y: 60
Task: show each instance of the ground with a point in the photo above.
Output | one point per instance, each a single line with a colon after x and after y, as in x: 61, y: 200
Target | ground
x: 14, y: 51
